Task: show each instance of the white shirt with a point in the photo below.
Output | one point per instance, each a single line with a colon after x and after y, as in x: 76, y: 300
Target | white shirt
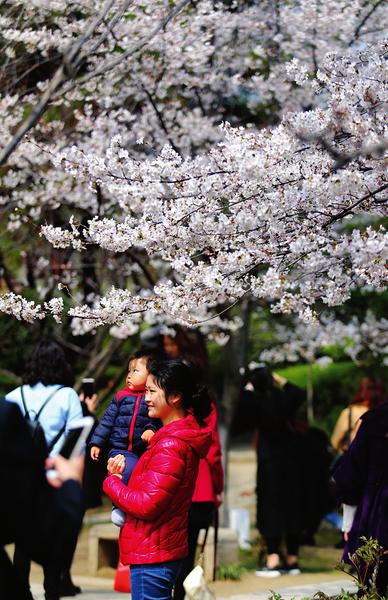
x: 349, y: 512
x: 62, y: 409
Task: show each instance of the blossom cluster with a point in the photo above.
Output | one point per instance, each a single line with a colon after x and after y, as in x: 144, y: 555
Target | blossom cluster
x: 186, y: 215
x: 270, y: 213
x: 313, y: 342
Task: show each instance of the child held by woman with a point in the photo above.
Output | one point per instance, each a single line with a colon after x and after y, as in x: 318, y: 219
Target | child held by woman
x: 126, y: 428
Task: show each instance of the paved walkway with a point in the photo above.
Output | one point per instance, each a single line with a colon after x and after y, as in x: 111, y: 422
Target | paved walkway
x: 92, y: 590
x: 241, y: 494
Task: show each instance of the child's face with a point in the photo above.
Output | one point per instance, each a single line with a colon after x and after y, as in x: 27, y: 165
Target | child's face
x: 137, y: 374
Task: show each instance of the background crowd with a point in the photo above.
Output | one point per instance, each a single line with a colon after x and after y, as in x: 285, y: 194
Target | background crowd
x: 296, y: 466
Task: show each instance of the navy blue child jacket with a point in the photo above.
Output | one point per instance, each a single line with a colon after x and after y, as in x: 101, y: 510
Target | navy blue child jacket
x: 123, y: 423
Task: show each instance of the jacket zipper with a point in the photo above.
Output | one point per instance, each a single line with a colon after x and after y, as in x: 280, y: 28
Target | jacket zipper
x: 132, y: 426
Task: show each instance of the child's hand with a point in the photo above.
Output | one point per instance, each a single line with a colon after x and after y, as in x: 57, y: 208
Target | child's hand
x: 95, y: 452
x: 147, y: 435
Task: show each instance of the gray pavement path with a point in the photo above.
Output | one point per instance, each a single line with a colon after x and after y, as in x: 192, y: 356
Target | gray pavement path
x: 91, y: 592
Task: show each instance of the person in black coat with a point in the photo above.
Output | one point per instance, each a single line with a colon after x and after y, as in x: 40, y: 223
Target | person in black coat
x: 39, y: 517
x: 280, y: 472
x: 361, y: 479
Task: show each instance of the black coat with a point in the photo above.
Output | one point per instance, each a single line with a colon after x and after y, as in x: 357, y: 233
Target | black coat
x: 40, y: 519
x: 95, y: 471
x: 361, y: 479
x: 280, y: 468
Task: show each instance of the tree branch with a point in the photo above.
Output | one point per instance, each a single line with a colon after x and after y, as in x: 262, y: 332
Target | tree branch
x: 68, y: 69
x: 109, y: 66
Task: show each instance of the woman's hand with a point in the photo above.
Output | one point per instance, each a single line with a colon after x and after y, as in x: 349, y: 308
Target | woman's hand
x: 65, y: 469
x: 91, y: 403
x: 279, y: 379
x: 218, y: 501
x: 116, y: 465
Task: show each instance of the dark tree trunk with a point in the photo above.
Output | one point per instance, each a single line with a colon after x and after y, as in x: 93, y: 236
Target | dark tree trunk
x: 234, y: 362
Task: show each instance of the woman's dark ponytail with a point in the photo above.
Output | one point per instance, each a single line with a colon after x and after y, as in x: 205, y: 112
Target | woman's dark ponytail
x: 176, y: 377
x: 200, y: 402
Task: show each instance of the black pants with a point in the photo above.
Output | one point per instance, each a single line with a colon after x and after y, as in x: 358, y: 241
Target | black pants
x: 200, y: 517
x: 292, y: 544
x: 52, y: 572
x: 10, y: 584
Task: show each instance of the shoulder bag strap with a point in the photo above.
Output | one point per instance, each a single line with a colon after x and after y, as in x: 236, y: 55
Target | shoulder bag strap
x: 349, y: 431
x: 56, y: 438
x: 26, y: 413
x: 202, y: 551
x: 46, y: 402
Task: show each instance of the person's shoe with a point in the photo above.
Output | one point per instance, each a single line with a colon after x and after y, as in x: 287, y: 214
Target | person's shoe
x: 292, y: 569
x: 269, y: 572
x: 118, y: 517
x: 68, y: 588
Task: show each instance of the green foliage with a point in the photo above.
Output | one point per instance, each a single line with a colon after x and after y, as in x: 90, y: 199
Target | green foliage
x: 366, y: 563
x: 231, y: 572
x: 333, y: 387
x: 275, y: 596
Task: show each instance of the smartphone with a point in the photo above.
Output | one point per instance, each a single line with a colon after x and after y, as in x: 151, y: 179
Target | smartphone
x: 88, y: 387
x: 76, y: 437
x: 74, y: 442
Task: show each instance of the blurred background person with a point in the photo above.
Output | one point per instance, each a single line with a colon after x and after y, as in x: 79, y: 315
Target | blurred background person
x: 280, y: 470
x: 189, y: 346
x: 370, y: 394
x: 47, y: 392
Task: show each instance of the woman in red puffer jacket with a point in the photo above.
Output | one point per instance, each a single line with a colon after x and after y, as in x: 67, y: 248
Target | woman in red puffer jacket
x: 158, y: 496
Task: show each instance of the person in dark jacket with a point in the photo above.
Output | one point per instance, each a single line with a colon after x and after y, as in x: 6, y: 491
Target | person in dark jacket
x: 126, y: 427
x: 41, y: 519
x: 47, y: 393
x: 158, y: 496
x: 280, y: 449
x: 94, y: 474
x: 361, y: 479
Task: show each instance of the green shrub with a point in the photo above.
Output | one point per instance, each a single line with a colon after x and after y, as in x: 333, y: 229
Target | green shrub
x: 232, y: 572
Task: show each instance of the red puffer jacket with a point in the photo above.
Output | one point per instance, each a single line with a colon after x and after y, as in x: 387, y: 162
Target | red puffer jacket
x: 158, y: 496
x: 210, y: 479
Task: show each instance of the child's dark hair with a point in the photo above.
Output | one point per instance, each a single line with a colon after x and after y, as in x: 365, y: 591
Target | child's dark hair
x: 144, y: 354
x: 175, y: 377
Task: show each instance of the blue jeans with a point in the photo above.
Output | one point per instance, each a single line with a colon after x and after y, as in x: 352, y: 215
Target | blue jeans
x: 155, y: 581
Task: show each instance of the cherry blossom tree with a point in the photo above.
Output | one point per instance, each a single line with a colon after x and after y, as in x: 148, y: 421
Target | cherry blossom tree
x: 117, y: 148
x: 292, y: 213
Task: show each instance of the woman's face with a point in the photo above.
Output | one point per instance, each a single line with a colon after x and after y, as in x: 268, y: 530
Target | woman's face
x: 155, y: 398
x: 170, y: 346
